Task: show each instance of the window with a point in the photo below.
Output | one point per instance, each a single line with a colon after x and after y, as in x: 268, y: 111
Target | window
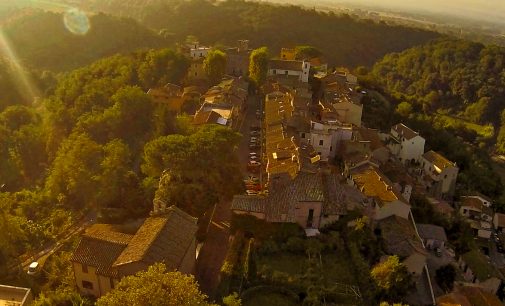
x: 87, y: 285
x: 111, y: 283
x: 445, y: 176
x: 331, y: 148
x: 84, y: 268
x: 319, y: 153
x: 303, y: 135
x: 274, y: 71
x: 321, y: 142
x: 286, y: 72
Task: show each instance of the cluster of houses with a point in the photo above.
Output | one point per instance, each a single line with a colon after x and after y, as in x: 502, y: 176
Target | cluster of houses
x: 306, y: 132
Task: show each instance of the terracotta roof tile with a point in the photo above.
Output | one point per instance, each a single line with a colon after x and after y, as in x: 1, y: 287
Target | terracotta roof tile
x: 371, y: 135
x: 205, y: 117
x: 400, y: 237
x: 405, y: 131
x: 98, y: 253
x: 438, y: 160
x: 373, y: 183
x: 163, y: 238
x: 430, y: 231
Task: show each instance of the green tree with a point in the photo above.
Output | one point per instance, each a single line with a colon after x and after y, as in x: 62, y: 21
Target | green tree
x: 215, y: 65
x: 73, y: 176
x: 258, y: 65
x: 62, y: 296
x: 156, y: 286
x: 392, y: 278
x: 232, y: 300
x: 404, y: 109
x: 201, y: 165
x: 119, y: 185
x: 306, y: 52
x: 478, y: 112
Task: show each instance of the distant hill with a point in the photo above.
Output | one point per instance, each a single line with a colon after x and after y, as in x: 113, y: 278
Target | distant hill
x: 343, y: 40
x: 41, y: 40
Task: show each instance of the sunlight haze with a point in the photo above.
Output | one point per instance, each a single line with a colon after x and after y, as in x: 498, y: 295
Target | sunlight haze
x: 489, y: 10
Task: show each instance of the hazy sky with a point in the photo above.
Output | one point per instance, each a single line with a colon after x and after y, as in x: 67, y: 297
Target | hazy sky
x: 490, y: 10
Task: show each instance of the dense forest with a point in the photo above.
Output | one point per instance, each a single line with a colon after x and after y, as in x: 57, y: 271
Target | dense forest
x: 62, y: 50
x: 343, y: 40
x: 458, y: 82
x: 99, y: 143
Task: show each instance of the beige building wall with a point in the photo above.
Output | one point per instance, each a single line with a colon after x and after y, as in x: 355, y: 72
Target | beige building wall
x: 302, y: 210
x: 90, y: 277
x: 196, y: 71
x: 349, y: 112
x: 396, y: 208
x: 356, y: 146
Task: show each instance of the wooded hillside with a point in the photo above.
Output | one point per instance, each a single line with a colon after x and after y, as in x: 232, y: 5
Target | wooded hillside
x: 343, y: 40
x: 461, y: 80
x: 41, y: 40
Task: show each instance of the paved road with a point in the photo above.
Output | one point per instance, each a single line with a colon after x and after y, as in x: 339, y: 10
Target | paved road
x: 213, y: 251
x: 44, y: 253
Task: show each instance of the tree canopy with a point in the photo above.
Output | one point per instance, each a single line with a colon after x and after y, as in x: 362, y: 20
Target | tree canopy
x: 157, y: 287
x: 258, y: 65
x: 195, y: 170
x: 215, y: 65
x: 41, y: 40
x: 463, y: 79
x: 344, y: 40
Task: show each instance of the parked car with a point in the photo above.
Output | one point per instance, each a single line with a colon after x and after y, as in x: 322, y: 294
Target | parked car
x: 499, y: 248
x: 254, y: 146
x: 251, y: 178
x: 255, y: 133
x: 253, y: 154
x: 254, y: 163
x: 33, y: 268
x: 438, y: 252
x: 255, y: 128
x: 254, y: 157
x: 496, y: 238
x: 253, y: 187
x: 251, y: 192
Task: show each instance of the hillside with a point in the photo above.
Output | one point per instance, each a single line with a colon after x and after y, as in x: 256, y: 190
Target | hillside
x: 343, y: 40
x: 62, y: 50
x: 459, y: 81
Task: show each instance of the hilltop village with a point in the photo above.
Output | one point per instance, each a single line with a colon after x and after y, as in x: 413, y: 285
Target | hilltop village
x: 331, y: 210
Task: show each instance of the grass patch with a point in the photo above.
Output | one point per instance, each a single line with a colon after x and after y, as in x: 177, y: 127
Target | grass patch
x: 335, y: 269
x: 271, y: 299
x: 262, y: 230
x: 486, y: 131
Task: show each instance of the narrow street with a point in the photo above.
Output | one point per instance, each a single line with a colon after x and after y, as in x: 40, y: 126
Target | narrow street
x: 215, y: 246
x: 49, y: 249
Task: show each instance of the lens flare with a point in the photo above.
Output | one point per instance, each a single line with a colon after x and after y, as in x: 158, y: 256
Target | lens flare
x: 76, y: 21
x: 29, y: 90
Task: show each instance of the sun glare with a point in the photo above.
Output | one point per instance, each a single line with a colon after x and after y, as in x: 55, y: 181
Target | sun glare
x: 6, y: 50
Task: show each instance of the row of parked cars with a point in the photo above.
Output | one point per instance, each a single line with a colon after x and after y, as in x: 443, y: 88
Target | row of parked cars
x: 499, y: 245
x: 253, y: 184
